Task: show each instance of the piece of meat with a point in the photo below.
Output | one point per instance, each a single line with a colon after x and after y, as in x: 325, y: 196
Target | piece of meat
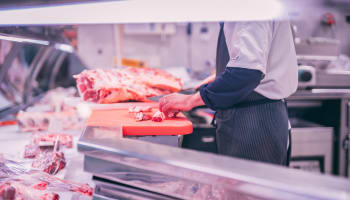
x: 16, y: 190
x: 50, y: 162
x: 125, y: 84
x: 49, y: 139
x: 68, y: 185
x: 40, y: 186
x: 84, y: 189
x: 158, y: 116
x: 140, y: 116
x: 40, y: 121
x: 7, y: 192
x: 31, y: 150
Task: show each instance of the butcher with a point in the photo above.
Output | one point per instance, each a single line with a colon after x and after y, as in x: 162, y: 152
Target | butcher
x: 256, y: 69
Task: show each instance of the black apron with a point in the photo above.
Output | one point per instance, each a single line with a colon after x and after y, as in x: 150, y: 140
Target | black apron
x: 256, y: 128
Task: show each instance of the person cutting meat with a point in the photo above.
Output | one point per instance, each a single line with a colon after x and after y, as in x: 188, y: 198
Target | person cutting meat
x: 256, y: 69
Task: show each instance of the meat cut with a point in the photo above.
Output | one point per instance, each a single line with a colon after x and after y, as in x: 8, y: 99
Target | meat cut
x: 18, y: 182
x: 125, y: 84
x: 15, y: 190
x: 140, y: 116
x: 65, y: 140
x: 50, y: 162
x: 158, y: 116
x: 45, y: 143
x: 41, y: 121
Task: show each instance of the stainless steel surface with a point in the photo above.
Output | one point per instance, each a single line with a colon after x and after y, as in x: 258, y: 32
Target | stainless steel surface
x: 185, y: 173
x: 312, y: 146
x: 317, y: 95
x: 108, y: 191
x: 317, y: 49
x: 342, y: 99
x: 332, y: 79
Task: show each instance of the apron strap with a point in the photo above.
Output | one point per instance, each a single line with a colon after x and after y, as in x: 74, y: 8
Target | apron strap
x: 289, y: 150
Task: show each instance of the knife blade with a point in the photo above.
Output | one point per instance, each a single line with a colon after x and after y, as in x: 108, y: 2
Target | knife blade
x: 184, y: 91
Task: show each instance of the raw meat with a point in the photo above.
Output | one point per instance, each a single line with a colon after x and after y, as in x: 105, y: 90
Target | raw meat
x: 45, y: 143
x: 15, y: 190
x: 31, y: 150
x: 67, y: 185
x: 158, y: 116
x: 40, y: 121
x: 125, y: 84
x: 50, y: 162
x: 19, y: 182
x: 63, y: 140
x: 140, y: 116
x: 84, y: 189
x: 7, y: 191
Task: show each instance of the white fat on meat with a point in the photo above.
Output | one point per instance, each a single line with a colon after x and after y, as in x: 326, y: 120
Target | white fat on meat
x: 158, y: 116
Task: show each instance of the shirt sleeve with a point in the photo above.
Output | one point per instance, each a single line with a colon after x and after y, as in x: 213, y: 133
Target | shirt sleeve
x: 249, y: 44
x: 230, y: 88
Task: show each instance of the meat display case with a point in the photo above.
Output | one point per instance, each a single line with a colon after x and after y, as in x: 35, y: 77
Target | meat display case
x: 134, y: 169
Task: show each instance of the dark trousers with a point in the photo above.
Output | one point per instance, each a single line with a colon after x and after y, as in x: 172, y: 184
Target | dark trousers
x: 255, y: 129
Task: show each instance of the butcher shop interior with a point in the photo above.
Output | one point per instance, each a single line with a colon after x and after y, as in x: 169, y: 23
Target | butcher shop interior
x: 127, y: 99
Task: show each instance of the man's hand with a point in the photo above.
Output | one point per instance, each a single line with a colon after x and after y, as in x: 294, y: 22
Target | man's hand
x: 174, y: 103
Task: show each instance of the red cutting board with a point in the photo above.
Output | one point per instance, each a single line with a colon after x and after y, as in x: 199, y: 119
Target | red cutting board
x: 121, y: 117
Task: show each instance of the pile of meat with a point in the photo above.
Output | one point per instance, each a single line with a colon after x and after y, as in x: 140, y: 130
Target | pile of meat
x: 19, y: 183
x: 15, y: 190
x: 125, y: 84
x: 43, y: 148
x: 38, y: 186
x: 42, y: 121
x: 145, y: 114
x: 50, y: 112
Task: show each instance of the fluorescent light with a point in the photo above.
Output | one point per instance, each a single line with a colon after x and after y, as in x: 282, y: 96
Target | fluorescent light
x: 64, y: 47
x: 143, y: 11
x: 23, y: 40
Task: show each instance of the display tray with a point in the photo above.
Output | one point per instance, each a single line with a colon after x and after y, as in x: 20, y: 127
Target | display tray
x: 120, y: 117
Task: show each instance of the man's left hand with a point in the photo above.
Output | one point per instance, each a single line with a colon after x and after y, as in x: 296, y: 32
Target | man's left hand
x: 174, y: 103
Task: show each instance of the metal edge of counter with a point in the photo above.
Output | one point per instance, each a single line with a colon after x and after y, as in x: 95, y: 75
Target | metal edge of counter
x: 217, y: 170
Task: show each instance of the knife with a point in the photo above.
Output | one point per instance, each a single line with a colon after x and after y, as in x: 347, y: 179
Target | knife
x: 184, y: 91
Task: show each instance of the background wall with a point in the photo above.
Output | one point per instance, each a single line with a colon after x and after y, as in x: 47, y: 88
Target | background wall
x: 195, y: 50
x: 176, y: 46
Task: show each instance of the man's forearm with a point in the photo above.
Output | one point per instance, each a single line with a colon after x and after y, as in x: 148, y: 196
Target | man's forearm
x: 230, y: 87
x: 195, y: 100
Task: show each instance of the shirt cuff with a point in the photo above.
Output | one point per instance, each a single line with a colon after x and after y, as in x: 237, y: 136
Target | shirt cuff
x: 204, y: 95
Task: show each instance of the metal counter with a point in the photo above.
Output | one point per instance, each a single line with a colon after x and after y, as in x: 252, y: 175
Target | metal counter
x: 186, y: 174
x: 336, y: 113
x: 320, y: 94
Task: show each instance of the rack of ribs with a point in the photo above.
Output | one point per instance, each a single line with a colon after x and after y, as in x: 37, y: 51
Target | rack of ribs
x: 125, y: 84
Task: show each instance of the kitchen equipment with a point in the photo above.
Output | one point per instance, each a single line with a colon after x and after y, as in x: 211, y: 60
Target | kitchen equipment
x: 312, y: 146
x: 306, y: 76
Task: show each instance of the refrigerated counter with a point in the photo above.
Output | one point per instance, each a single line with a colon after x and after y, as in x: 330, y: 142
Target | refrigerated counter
x: 132, y: 169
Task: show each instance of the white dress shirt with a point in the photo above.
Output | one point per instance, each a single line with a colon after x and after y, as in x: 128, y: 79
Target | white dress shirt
x: 266, y: 46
